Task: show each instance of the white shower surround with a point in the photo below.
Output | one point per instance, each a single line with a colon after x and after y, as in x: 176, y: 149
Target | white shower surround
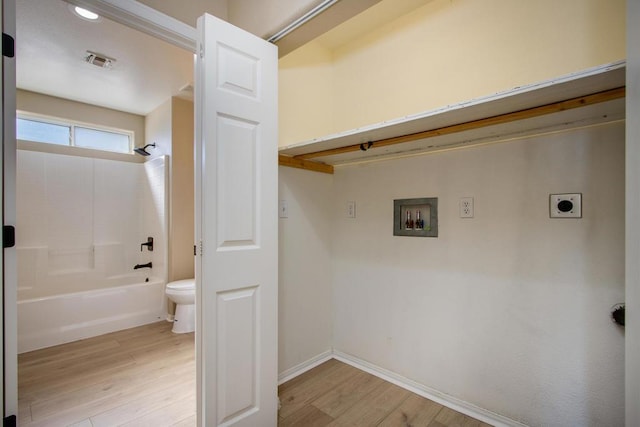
x: 80, y: 225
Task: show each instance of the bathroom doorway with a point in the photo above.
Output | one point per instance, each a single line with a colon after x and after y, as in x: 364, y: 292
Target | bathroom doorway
x: 97, y: 211
x: 238, y: 315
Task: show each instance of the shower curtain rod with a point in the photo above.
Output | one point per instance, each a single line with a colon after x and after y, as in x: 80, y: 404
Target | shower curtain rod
x: 326, y: 4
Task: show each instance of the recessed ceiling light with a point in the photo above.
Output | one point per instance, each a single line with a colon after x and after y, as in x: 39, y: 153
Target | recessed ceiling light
x: 85, y: 14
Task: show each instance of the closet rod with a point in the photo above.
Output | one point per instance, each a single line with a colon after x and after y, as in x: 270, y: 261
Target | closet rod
x: 302, y: 20
x: 582, y: 101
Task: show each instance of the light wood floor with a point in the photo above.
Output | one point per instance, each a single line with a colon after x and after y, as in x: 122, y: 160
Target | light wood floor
x: 143, y: 376
x: 146, y: 377
x: 336, y: 394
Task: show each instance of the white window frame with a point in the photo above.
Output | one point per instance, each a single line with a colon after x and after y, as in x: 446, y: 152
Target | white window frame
x: 72, y: 124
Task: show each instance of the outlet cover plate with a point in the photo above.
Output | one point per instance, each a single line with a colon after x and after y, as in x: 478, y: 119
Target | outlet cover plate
x: 567, y: 205
x: 466, y: 207
x: 283, y: 209
x: 351, y: 209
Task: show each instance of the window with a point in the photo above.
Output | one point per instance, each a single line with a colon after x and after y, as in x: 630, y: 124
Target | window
x: 102, y: 140
x: 48, y: 133
x: 74, y: 135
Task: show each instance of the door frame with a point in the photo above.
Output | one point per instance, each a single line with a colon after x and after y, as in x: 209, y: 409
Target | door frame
x: 9, y: 257
x: 143, y: 18
x: 166, y: 28
x: 632, y: 228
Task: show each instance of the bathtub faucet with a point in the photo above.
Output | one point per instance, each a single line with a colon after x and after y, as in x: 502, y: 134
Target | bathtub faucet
x: 147, y: 265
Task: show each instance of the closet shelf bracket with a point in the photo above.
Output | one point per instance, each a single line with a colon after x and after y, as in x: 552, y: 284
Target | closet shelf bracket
x: 304, y: 164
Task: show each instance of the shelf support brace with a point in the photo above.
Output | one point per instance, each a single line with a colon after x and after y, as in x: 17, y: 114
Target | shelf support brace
x: 304, y: 164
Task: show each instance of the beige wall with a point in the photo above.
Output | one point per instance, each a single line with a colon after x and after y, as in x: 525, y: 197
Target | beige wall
x: 182, y: 202
x: 447, y: 52
x: 37, y: 103
x: 307, y: 73
x: 509, y: 310
x: 158, y: 130
x: 171, y: 127
x: 304, y: 282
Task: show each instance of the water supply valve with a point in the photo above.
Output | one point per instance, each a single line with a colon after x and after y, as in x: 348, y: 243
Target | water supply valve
x: 148, y: 244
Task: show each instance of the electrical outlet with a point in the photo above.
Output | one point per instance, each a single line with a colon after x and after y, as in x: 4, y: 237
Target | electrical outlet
x: 283, y: 209
x: 351, y: 209
x: 568, y: 205
x: 466, y: 207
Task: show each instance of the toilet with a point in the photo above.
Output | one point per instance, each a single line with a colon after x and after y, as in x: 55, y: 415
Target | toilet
x: 183, y: 293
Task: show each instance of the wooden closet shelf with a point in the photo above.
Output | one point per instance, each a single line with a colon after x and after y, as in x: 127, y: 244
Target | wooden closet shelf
x: 588, y: 97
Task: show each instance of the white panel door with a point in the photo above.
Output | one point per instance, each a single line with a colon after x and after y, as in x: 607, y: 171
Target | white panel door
x: 236, y: 223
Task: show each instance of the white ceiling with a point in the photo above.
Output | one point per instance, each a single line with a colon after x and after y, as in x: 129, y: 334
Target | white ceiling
x: 51, y: 44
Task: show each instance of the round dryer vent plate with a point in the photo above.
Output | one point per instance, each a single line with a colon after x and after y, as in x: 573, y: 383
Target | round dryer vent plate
x: 568, y: 205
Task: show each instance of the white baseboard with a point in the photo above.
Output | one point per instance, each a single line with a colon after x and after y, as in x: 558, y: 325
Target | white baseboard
x: 414, y: 387
x: 427, y: 392
x: 304, y: 367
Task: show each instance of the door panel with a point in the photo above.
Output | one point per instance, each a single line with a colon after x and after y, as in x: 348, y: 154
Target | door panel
x: 237, y: 71
x: 236, y: 183
x: 237, y: 151
x: 237, y: 353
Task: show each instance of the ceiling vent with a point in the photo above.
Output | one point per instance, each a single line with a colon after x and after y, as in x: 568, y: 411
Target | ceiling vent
x: 99, y: 60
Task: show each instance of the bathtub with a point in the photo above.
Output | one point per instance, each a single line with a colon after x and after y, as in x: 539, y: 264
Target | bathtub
x: 58, y: 319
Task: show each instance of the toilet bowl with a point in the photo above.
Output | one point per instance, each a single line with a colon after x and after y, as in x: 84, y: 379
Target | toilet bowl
x: 183, y: 293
